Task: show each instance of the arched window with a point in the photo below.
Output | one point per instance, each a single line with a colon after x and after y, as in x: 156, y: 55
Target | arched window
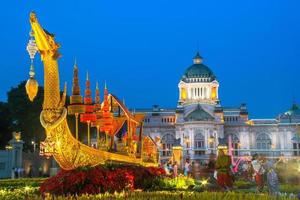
x: 167, y: 141
x: 235, y: 144
x: 296, y: 145
x: 199, y: 141
x: 263, y: 141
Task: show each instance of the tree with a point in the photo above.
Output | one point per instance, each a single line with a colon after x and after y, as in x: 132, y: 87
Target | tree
x: 5, y: 124
x: 20, y: 114
x: 25, y: 115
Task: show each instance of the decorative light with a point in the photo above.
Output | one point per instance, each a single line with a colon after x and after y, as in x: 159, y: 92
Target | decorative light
x: 8, y: 147
x: 204, y: 182
x: 31, y: 84
x: 17, y: 136
x: 27, y: 188
x: 211, y: 139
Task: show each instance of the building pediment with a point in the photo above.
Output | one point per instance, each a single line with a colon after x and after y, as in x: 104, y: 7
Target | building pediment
x: 199, y: 114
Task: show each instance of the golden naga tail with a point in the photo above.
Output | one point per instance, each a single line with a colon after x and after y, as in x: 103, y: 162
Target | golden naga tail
x: 69, y: 152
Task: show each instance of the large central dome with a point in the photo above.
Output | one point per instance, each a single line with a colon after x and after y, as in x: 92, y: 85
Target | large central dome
x: 198, y: 85
x: 199, y: 70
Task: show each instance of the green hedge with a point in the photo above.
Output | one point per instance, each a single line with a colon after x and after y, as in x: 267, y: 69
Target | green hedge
x: 20, y: 194
x: 20, y: 183
x: 289, y: 188
x: 244, y: 184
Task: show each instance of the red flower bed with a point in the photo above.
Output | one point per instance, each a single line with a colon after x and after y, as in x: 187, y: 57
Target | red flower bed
x: 101, y: 179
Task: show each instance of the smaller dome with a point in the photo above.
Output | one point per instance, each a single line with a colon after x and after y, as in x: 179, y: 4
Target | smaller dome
x: 199, y: 114
x: 293, y: 111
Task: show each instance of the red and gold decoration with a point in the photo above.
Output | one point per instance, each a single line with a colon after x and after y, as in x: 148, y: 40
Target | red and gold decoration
x: 89, y: 116
x: 47, y: 148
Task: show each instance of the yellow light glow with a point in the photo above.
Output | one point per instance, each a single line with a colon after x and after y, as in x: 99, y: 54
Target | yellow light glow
x: 249, y: 122
x: 213, y: 93
x: 210, y: 140
x: 183, y: 94
x: 204, y: 182
x: 27, y: 188
x: 8, y: 147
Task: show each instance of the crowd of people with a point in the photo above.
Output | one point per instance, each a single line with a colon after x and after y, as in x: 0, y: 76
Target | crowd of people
x: 257, y: 169
x: 171, y: 169
x: 261, y: 170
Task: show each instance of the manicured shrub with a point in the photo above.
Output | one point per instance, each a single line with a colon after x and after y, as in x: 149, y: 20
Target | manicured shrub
x: 10, y: 184
x: 100, y: 179
x: 162, y: 195
x: 244, y: 184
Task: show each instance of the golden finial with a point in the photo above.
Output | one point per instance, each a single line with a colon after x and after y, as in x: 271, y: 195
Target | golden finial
x: 31, y: 84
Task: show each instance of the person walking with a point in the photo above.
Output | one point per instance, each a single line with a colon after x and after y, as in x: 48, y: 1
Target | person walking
x: 258, y: 168
x: 186, y: 168
x: 175, y: 170
x: 272, y: 178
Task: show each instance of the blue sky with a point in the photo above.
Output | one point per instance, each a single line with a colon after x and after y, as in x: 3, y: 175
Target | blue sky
x: 142, y: 48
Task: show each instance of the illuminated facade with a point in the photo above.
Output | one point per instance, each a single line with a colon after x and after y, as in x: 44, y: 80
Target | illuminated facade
x: 199, y: 120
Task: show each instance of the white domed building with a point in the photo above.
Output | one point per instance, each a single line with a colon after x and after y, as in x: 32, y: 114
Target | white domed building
x: 199, y: 121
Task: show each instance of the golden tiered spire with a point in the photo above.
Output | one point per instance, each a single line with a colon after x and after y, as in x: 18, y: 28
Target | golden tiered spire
x: 75, y: 98
x: 76, y: 106
x: 87, y: 97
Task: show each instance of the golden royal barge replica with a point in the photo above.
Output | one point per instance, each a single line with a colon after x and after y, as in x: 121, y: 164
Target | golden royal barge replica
x: 123, y: 139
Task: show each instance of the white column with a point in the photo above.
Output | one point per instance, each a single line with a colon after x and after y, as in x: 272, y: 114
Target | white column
x: 201, y: 92
x: 192, y: 93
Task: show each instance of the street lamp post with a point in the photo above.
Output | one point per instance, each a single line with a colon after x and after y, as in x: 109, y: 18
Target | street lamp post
x: 187, y: 144
x: 34, y: 145
x: 211, y: 141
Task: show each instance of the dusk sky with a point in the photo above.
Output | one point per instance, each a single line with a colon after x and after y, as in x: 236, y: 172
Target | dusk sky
x: 142, y: 48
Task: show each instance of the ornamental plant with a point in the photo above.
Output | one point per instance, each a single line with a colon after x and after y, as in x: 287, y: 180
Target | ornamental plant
x: 101, y: 179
